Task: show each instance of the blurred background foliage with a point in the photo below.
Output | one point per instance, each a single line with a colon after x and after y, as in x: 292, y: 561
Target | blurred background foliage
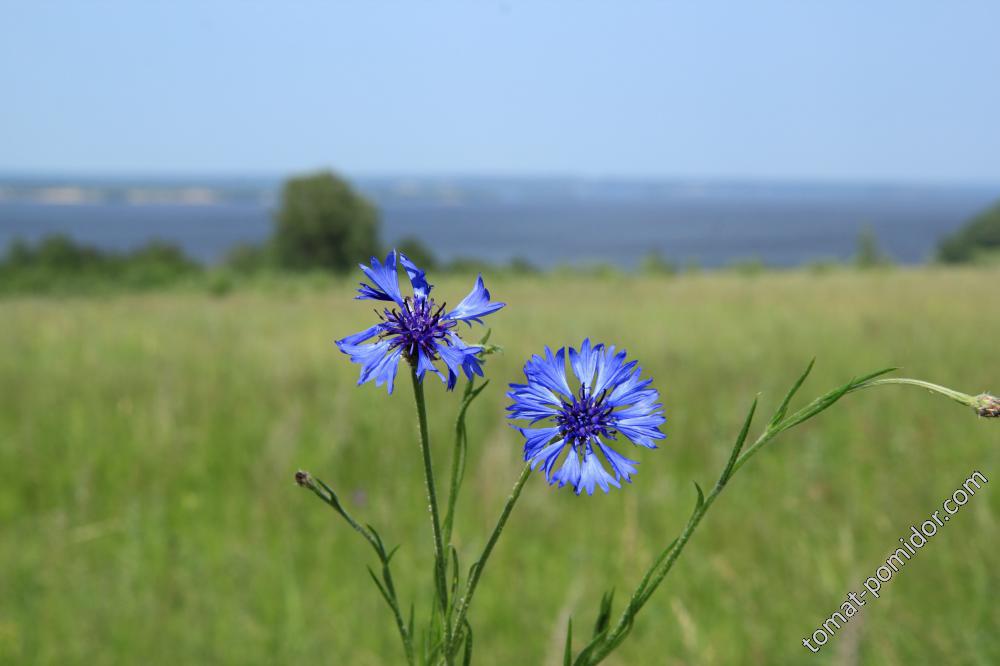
x: 324, y: 225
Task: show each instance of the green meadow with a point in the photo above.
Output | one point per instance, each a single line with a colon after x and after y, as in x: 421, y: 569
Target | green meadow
x: 148, y: 442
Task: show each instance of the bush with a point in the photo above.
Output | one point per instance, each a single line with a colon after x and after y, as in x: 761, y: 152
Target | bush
x: 155, y: 264
x: 57, y: 263
x: 869, y: 254
x: 979, y: 236
x: 521, y: 266
x: 246, y: 258
x: 655, y: 264
x: 749, y: 267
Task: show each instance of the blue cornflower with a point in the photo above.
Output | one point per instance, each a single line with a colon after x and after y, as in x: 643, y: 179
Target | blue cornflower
x: 416, y: 328
x: 612, y: 399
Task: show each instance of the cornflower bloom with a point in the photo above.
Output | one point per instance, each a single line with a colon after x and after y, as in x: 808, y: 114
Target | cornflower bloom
x: 416, y: 328
x: 612, y: 399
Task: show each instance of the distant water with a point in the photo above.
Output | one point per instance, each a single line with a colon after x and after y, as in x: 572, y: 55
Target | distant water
x: 711, y: 225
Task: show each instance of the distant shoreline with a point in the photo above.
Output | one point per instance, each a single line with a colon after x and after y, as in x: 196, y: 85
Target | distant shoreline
x: 544, y: 223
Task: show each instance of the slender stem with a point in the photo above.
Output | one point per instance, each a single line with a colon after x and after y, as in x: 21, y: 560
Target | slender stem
x: 768, y: 435
x: 477, y: 568
x: 457, y: 461
x: 425, y: 448
x: 653, y: 580
x: 325, y: 493
x: 957, y: 396
x: 397, y: 614
x: 667, y: 559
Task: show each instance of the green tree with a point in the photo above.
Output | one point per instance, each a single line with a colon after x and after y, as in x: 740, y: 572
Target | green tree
x: 324, y: 223
x: 980, y: 235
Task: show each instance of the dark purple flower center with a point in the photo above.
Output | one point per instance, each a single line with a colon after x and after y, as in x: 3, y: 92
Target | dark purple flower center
x: 417, y: 326
x: 586, y: 418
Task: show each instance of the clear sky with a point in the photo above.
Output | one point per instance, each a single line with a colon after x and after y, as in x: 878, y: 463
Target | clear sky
x: 898, y: 90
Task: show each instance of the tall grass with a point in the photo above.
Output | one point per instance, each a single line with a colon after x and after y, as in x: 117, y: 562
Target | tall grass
x: 148, y: 512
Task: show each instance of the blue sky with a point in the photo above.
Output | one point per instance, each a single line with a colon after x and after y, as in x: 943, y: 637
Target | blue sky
x: 892, y: 90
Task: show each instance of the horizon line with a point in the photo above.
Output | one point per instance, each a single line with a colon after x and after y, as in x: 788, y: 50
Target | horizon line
x: 9, y: 174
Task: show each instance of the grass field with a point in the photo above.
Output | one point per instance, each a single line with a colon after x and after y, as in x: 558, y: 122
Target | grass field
x: 148, y: 513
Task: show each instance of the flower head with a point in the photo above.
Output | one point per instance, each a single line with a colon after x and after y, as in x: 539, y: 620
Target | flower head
x: 414, y: 327
x: 612, y: 399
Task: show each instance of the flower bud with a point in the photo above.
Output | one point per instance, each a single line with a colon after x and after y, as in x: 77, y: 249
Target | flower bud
x: 987, y: 405
x: 303, y: 479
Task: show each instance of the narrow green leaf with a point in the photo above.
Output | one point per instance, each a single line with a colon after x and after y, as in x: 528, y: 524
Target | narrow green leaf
x: 783, y: 409
x: 467, y: 658
x: 701, y: 497
x: 738, y: 446
x: 454, y: 574
x: 378, y: 584
x: 604, y: 613
x: 583, y: 659
x: 568, y: 651
x: 332, y: 498
x: 379, y: 546
x: 475, y: 393
x: 877, y: 373
x: 826, y: 400
x: 617, y: 639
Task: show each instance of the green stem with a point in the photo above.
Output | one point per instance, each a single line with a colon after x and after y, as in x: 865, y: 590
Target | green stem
x: 662, y: 566
x: 388, y: 590
x: 957, y: 396
x: 425, y: 448
x: 457, y: 461
x: 768, y: 435
x: 477, y: 568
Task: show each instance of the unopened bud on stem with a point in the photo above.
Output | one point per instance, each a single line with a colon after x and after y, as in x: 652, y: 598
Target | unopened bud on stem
x: 987, y: 405
x: 304, y: 479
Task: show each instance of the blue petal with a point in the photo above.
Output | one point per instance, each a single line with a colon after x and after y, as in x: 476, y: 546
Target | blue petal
x: 569, y: 473
x: 647, y: 404
x: 425, y: 364
x: 475, y: 305
x: 458, y: 355
x: 593, y: 472
x: 550, y: 371
x: 585, y: 363
x: 378, y: 361
x: 641, y: 424
x: 547, y: 457
x: 536, y: 438
x: 386, y: 279
x: 611, y: 369
x: 622, y: 466
x: 531, y: 401
x: 417, y: 277
x: 632, y: 389
x: 357, y: 338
